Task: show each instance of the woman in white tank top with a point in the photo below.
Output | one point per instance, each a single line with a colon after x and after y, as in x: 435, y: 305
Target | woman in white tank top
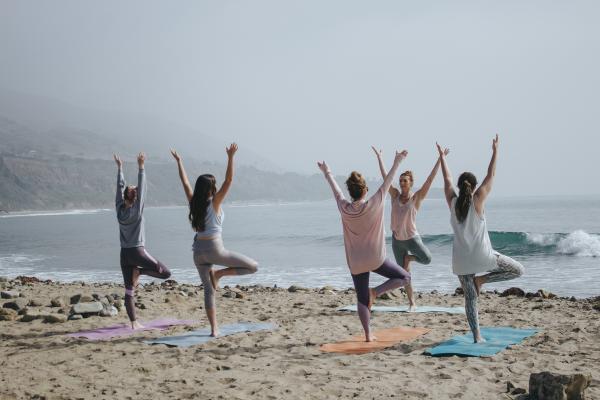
x: 406, y: 241
x: 472, y: 251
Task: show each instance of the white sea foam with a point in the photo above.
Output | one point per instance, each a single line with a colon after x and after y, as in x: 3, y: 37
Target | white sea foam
x: 579, y: 243
x: 543, y: 239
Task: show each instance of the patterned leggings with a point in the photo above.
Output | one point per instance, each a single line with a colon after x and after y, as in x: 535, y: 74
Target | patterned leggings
x: 506, y: 269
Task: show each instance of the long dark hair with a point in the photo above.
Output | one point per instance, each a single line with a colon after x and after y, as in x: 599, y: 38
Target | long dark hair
x: 356, y: 185
x: 204, y: 190
x: 466, y: 184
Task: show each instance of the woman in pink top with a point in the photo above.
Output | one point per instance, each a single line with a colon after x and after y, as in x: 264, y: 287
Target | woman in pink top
x: 406, y: 241
x: 364, y: 240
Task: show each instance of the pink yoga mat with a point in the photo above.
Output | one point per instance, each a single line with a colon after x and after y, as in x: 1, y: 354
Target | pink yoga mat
x: 110, y: 332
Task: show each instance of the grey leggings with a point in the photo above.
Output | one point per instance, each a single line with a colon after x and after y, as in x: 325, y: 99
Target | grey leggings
x: 210, y: 252
x: 412, y: 246
x: 506, y: 269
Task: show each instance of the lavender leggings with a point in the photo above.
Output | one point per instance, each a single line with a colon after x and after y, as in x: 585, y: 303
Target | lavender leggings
x: 138, y: 257
x: 397, y: 277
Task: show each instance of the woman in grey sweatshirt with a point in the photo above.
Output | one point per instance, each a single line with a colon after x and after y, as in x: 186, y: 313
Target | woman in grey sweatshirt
x: 135, y: 260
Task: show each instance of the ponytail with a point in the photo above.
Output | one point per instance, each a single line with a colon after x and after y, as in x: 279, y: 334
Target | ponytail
x: 466, y: 185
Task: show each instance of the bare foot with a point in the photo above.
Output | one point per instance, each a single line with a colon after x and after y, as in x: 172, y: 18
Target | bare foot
x: 479, y: 339
x: 412, y: 307
x: 214, y: 281
x: 136, y: 325
x: 371, y: 338
x: 478, y: 281
x: 372, y: 297
x: 214, y: 333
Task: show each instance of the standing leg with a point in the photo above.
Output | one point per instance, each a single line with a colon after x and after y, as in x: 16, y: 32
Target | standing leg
x: 209, y: 293
x: 507, y: 269
x: 400, y: 249
x: 468, y: 285
x: 361, y: 285
x: 128, y: 269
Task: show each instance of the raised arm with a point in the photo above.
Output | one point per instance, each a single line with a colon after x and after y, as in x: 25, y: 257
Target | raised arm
x: 187, y: 188
x: 448, y: 186
x: 387, y: 182
x: 393, y: 191
x: 222, y: 192
x: 337, y: 192
x: 486, y: 186
x: 142, y: 187
x: 120, y: 182
x: 421, y: 194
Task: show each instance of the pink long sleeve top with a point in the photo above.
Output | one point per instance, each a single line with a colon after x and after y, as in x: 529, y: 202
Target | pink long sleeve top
x: 362, y: 221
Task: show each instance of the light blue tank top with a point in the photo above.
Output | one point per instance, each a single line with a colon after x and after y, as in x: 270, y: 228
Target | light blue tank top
x: 213, y: 225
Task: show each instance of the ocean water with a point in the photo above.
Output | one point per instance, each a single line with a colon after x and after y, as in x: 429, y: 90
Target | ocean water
x: 556, y: 239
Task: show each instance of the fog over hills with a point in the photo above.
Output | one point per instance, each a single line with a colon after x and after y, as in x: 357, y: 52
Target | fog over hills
x: 57, y: 156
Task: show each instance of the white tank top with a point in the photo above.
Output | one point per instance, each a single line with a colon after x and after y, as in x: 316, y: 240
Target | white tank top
x: 404, y: 217
x: 472, y: 250
x: 213, y: 225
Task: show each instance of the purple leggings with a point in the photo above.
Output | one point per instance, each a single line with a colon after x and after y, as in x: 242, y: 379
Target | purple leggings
x: 138, y: 257
x: 397, y: 277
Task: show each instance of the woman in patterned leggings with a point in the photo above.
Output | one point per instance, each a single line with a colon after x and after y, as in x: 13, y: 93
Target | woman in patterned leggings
x: 472, y: 251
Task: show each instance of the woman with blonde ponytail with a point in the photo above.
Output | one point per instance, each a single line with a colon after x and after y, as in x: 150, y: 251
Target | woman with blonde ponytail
x: 364, y: 241
x: 472, y: 251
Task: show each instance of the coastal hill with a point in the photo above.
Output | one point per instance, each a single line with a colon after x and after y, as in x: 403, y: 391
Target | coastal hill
x: 56, y: 156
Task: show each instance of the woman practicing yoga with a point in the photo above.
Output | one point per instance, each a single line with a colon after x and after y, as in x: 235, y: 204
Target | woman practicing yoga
x: 135, y: 260
x: 406, y: 241
x: 362, y: 221
x: 472, y: 251
x: 206, y: 216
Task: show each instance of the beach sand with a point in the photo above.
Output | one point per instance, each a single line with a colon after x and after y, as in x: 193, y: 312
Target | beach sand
x: 37, y: 360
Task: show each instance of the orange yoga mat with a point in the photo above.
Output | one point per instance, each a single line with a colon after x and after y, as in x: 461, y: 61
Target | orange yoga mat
x: 385, y: 338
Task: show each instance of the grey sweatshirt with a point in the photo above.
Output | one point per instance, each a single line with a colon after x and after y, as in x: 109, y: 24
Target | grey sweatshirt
x: 131, y: 219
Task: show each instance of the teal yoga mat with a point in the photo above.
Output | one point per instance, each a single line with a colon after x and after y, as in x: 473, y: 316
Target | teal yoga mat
x: 497, y: 339
x: 420, y: 309
x: 202, y: 336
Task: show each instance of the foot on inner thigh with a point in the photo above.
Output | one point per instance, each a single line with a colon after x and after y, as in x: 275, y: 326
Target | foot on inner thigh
x: 372, y: 297
x: 214, y: 279
x: 136, y: 277
x: 478, y: 281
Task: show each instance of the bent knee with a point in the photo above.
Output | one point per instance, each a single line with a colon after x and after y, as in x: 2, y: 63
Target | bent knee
x: 253, y: 267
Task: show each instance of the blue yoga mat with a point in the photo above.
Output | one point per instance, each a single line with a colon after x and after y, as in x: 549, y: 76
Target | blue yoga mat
x: 420, y: 309
x: 497, y: 339
x: 202, y: 336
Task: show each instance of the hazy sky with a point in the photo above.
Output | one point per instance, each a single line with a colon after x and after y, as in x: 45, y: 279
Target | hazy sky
x: 298, y: 81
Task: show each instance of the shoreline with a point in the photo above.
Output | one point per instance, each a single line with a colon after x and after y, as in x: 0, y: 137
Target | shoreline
x: 38, y: 359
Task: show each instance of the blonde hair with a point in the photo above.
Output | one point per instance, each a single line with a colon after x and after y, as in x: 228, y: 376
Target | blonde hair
x: 356, y: 184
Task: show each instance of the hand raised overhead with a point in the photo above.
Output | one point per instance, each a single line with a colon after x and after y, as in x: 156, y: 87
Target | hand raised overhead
x: 323, y: 167
x: 231, y: 150
x: 141, y: 158
x: 400, y: 155
x: 378, y: 153
x: 175, y: 155
x: 495, y: 143
x: 118, y: 160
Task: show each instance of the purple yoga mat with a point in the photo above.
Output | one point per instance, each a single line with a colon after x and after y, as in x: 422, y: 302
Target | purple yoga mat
x: 110, y: 332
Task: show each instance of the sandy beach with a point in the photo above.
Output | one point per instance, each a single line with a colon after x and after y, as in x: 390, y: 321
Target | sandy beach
x: 38, y: 360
